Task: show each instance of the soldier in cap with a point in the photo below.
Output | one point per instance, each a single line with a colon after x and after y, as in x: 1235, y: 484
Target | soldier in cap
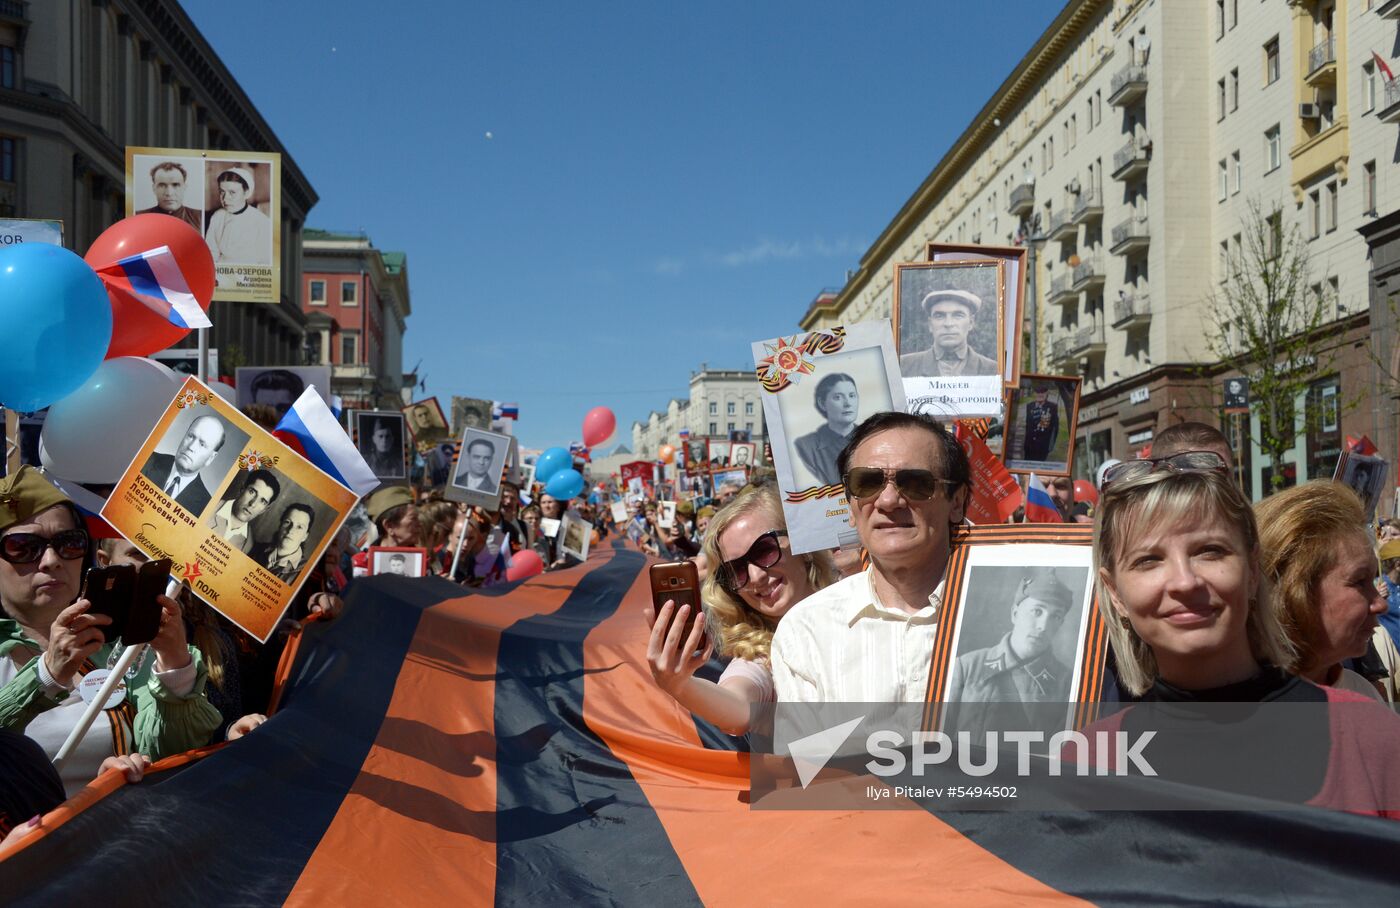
x: 1020, y: 668
x: 951, y: 316
x: 1042, y: 424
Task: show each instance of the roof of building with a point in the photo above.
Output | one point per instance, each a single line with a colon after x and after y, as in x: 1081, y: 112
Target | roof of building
x: 394, y: 261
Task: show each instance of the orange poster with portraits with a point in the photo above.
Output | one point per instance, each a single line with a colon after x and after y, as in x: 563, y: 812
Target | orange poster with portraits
x: 244, y: 518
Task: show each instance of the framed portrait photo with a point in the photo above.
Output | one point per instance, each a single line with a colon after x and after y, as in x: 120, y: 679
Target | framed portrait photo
x: 815, y: 389
x: 477, y: 474
x: 741, y: 454
x: 718, y: 454
x: 426, y: 422
x: 381, y: 437
x: 1020, y: 643
x: 949, y: 331
x: 697, y: 458
x: 574, y: 535
x: 402, y: 562
x: 470, y: 412
x: 1364, y: 474
x: 619, y: 512
x: 279, y: 387
x: 665, y: 514
x: 1013, y: 258
x: 1042, y: 414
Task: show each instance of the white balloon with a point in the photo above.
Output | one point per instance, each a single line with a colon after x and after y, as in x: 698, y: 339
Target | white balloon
x: 226, y: 391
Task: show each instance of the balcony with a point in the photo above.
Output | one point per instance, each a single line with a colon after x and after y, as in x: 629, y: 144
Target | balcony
x: 1322, y: 63
x: 1390, y: 101
x: 1088, y: 342
x: 1022, y: 200
x: 1062, y: 227
x: 1132, y: 159
x: 15, y: 11
x: 1131, y: 310
x: 1130, y: 236
x: 1061, y: 350
x: 1128, y: 85
x: 1389, y: 9
x: 1089, y: 208
x: 1088, y: 274
x: 1061, y: 293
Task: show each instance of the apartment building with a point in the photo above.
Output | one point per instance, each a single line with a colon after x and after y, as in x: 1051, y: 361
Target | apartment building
x: 1127, y: 149
x: 721, y: 401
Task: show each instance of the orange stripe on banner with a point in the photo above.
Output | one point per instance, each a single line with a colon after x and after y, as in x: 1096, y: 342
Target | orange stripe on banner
x: 699, y: 796
x: 420, y: 820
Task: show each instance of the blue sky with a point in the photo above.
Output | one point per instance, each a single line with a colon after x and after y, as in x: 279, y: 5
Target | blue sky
x: 663, y: 183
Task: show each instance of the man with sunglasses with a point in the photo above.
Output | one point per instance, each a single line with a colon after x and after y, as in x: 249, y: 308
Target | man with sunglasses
x: 869, y: 637
x: 178, y: 474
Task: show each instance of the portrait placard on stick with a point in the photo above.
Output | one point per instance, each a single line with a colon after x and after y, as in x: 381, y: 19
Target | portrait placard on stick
x: 476, y: 476
x: 244, y: 518
x: 574, y: 536
x: 398, y: 560
x: 815, y: 389
x: 1364, y: 474
x: 427, y: 423
x: 1042, y: 415
x: 1013, y: 258
x: 382, y: 440
x: 949, y: 332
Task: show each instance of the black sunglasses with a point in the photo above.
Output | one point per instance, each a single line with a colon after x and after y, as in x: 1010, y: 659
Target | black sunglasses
x: 1185, y: 462
x: 915, y: 485
x: 765, y: 552
x: 27, y: 548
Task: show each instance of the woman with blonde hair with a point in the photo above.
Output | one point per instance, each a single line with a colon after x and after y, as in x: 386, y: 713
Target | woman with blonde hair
x: 1318, y: 553
x: 754, y: 580
x: 1190, y: 614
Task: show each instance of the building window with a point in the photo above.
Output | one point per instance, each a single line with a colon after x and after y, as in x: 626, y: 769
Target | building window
x: 1368, y: 187
x: 1275, y: 234
x: 1219, y: 19
x: 748, y: 427
x: 1235, y: 89
x: 1331, y: 206
x: 7, y: 160
x: 1073, y: 130
x: 1224, y: 182
x: 7, y: 67
x: 1273, y: 150
x: 1224, y: 261
x: 1271, y: 70
x: 714, y: 428
x: 1368, y: 82
x: 1237, y: 174
x: 349, y: 349
x: 1220, y: 100
x: 714, y: 409
x: 318, y: 293
x: 1234, y: 13
x: 349, y: 293
x: 1324, y: 426
x: 1314, y: 214
x: 729, y: 408
x: 731, y: 427
x: 748, y: 408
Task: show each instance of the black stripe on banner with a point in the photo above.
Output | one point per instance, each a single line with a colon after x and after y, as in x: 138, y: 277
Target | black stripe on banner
x: 238, y: 827
x: 573, y: 826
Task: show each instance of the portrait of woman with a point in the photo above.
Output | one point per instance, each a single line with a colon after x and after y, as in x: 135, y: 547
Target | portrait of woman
x: 838, y: 401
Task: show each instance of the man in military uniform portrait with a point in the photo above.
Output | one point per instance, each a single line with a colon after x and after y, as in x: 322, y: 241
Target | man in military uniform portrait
x: 951, y: 316
x: 1017, y: 671
x: 1042, y: 424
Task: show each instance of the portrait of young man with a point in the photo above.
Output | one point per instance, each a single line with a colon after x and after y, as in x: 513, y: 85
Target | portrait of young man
x: 284, y: 554
x: 169, y: 182
x: 259, y: 490
x: 474, y: 470
x: 380, y: 442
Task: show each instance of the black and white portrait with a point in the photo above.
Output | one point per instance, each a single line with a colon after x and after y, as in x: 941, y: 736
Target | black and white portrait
x: 741, y: 454
x: 719, y: 455
x: 169, y: 185
x: 249, y: 495
x: 574, y: 536
x: 426, y: 422
x: 1236, y: 392
x: 1365, y: 475
x: 401, y: 562
x: 476, y: 477
x: 820, y: 412
x: 948, y: 319
x: 665, y: 514
x: 239, y: 210
x: 1041, y: 415
x: 1013, y: 261
x: 380, y: 439
x: 193, y: 457
x: 470, y: 413
x: 280, y: 387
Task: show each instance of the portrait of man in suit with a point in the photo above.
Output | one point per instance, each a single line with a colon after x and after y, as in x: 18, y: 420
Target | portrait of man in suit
x: 230, y: 521
x: 177, y: 474
x: 474, y: 473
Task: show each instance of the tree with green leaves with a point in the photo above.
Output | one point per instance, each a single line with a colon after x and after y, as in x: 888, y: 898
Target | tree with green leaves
x: 1266, y: 322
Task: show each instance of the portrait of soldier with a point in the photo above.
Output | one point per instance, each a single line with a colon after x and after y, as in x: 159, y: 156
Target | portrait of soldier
x: 169, y: 180
x: 382, y: 447
x: 1042, y: 423
x: 951, y: 316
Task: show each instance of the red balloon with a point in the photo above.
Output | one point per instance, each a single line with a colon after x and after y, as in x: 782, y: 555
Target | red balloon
x: 1084, y: 491
x: 524, y: 563
x: 598, y: 426
x: 136, y: 330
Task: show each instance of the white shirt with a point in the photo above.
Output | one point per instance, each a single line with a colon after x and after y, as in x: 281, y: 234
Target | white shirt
x: 235, y: 528
x: 841, y: 644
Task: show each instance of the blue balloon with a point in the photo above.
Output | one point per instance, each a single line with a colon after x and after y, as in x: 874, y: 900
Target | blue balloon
x: 57, y: 324
x: 564, y: 484
x: 552, y: 461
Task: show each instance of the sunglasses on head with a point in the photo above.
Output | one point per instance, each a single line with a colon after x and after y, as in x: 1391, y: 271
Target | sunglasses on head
x: 915, y: 485
x: 1185, y: 462
x: 27, y: 548
x: 764, y: 553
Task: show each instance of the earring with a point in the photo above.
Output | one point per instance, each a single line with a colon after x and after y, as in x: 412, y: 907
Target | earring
x: 1123, y: 620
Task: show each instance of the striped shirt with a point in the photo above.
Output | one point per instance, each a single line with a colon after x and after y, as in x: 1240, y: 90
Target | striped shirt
x: 841, y: 644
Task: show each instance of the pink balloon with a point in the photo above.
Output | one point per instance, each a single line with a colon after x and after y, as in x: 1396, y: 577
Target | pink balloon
x: 524, y: 563
x: 598, y: 426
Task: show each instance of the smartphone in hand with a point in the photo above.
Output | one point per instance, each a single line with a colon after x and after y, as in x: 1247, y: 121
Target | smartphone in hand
x: 143, y: 622
x: 679, y: 582
x: 109, y: 590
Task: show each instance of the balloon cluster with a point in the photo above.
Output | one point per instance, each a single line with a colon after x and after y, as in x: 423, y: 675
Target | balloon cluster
x: 77, y: 344
x: 555, y: 467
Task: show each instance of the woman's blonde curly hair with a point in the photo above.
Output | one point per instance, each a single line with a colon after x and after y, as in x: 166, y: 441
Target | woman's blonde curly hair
x: 740, y: 632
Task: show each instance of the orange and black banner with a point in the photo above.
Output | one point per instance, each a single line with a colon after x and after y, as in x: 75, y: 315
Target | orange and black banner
x: 508, y: 747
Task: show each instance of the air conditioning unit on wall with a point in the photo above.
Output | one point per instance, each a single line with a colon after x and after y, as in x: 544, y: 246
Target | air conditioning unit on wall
x: 1310, y: 111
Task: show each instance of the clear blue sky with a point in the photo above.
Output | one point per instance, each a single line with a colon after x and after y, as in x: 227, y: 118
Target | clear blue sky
x: 664, y: 182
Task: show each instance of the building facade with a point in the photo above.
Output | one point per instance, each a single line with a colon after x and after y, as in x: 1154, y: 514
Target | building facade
x: 1128, y: 149
x: 82, y: 79
x: 357, y: 306
x: 721, y: 401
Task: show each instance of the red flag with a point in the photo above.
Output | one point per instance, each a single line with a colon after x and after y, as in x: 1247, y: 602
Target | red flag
x: 1380, y: 64
x: 995, y: 493
x: 1362, y: 445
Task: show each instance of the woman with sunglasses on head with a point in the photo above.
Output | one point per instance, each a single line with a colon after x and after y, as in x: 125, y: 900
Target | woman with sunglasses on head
x: 755, y: 579
x: 1190, y: 617
x: 49, y: 644
x: 1318, y: 553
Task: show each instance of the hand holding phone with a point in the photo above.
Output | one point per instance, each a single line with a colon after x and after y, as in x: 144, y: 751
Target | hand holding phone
x: 678, y: 644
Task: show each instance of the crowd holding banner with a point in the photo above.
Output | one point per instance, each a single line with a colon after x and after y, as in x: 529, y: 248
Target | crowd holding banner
x: 894, y: 547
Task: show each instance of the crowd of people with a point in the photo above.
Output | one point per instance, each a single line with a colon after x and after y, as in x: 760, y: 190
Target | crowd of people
x: 1205, y: 597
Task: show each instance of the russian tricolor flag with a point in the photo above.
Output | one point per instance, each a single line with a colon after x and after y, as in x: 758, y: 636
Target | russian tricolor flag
x: 154, y: 277
x: 310, y: 429
x: 1040, y: 507
x: 508, y: 411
